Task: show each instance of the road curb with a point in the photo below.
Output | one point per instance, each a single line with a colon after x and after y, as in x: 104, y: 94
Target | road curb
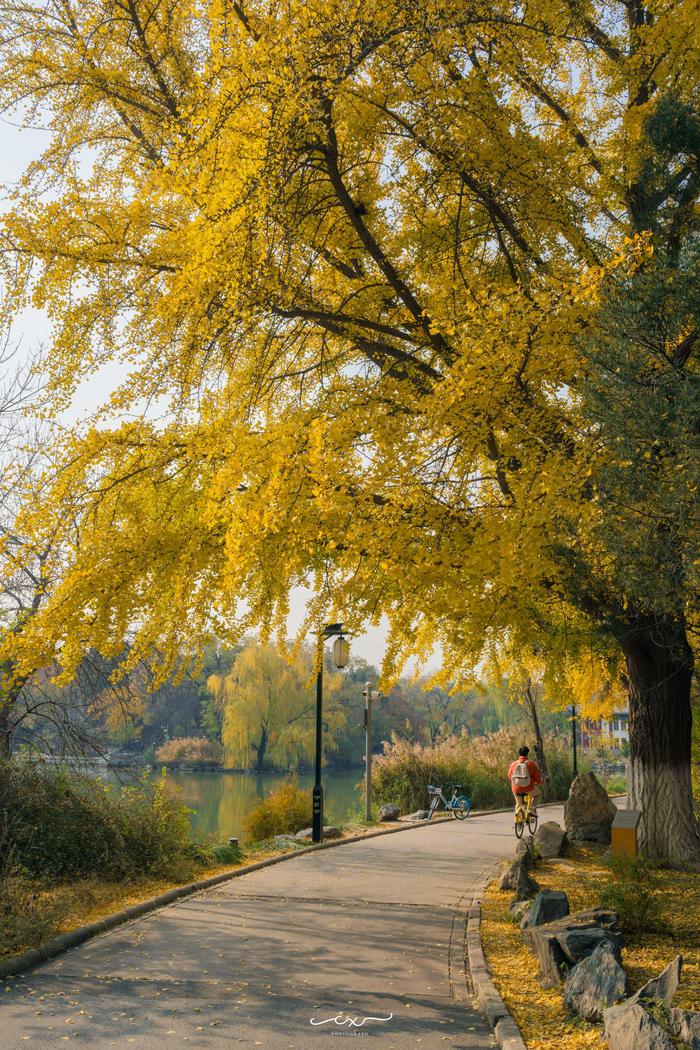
x: 18, y: 964
x: 491, y: 1004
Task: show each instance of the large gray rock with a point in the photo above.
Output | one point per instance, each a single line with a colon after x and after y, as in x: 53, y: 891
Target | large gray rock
x: 549, y: 840
x: 588, y: 812
x: 547, y: 906
x: 561, y: 944
x: 685, y: 1025
x: 595, y: 983
x: 389, y: 812
x: 662, y: 989
x: 630, y: 1027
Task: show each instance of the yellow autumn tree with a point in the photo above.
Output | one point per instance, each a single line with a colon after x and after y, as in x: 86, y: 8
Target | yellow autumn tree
x: 409, y: 287
x: 268, y: 708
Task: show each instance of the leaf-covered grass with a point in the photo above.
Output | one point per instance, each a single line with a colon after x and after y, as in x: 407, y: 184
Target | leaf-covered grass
x: 540, y: 1014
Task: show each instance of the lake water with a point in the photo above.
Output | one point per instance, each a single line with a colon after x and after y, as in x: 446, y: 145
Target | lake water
x: 221, y: 801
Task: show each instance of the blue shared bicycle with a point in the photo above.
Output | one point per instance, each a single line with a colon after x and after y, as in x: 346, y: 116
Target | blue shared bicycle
x: 459, y: 805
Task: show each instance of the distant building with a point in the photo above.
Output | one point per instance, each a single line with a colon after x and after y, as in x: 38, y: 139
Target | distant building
x: 605, y: 732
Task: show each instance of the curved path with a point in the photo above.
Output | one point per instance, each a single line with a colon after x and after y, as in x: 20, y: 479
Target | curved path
x: 374, y: 929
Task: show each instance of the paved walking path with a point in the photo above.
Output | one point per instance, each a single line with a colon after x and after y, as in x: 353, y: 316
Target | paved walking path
x: 374, y: 929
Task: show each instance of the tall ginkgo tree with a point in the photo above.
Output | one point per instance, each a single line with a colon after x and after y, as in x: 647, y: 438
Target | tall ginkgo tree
x: 412, y: 287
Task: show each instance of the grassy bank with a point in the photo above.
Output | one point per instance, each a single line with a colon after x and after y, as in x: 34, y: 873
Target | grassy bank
x: 479, y: 764
x: 586, y: 878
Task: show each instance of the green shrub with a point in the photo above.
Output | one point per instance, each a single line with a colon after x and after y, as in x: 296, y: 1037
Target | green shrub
x: 190, y: 751
x: 479, y: 764
x: 57, y: 823
x: 283, y: 812
x: 634, y: 894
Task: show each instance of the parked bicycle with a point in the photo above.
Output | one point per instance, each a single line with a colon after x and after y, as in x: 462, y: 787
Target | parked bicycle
x: 525, y: 816
x: 459, y: 805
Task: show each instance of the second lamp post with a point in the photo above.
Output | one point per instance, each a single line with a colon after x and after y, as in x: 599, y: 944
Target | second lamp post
x: 341, y: 655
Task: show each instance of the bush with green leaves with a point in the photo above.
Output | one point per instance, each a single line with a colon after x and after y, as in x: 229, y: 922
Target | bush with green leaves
x: 634, y: 894
x: 479, y: 764
x: 284, y: 812
x: 58, y: 823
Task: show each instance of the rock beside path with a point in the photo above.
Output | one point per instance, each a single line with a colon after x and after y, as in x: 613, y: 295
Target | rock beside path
x: 389, y: 812
x: 329, y: 832
x: 685, y: 1025
x: 561, y: 944
x: 662, y: 989
x: 630, y: 1027
x: 549, y: 840
x: 588, y: 812
x: 595, y: 983
x: 547, y: 906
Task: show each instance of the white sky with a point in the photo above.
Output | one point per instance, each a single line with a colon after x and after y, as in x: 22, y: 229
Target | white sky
x: 18, y: 146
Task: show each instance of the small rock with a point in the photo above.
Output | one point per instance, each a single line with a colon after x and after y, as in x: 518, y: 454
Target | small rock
x: 588, y: 812
x: 519, y: 909
x: 685, y: 1025
x: 579, y: 943
x: 549, y: 840
x: 420, y: 814
x: 329, y: 832
x: 552, y: 961
x: 547, y: 906
x: 525, y: 887
x: 662, y: 988
x: 389, y: 812
x: 630, y: 1027
x: 595, y: 983
x: 525, y: 850
x: 509, y: 879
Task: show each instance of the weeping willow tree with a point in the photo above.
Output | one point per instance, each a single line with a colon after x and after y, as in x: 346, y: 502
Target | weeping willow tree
x: 268, y: 708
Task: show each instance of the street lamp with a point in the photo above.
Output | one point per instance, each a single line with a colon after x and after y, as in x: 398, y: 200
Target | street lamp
x: 573, y: 738
x: 341, y: 655
x: 369, y: 694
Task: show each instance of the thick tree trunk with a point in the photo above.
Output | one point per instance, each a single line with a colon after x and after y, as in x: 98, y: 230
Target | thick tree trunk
x: 539, y: 739
x: 659, y: 670
x: 260, y: 750
x: 5, y: 732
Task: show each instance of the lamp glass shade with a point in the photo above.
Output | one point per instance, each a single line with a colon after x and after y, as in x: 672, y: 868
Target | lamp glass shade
x: 341, y: 652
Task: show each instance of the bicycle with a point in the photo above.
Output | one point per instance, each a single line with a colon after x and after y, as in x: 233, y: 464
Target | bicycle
x: 525, y: 816
x: 459, y: 805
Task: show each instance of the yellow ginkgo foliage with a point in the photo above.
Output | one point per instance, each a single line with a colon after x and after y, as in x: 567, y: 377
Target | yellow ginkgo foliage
x: 400, y: 294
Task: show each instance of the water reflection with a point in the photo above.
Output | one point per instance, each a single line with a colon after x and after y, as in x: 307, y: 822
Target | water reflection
x: 222, y: 800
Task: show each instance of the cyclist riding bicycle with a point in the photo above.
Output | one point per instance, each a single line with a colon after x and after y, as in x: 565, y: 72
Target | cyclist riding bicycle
x: 525, y: 778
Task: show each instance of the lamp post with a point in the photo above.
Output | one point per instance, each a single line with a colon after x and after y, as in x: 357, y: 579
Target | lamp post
x: 341, y: 655
x: 573, y: 737
x: 369, y: 694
